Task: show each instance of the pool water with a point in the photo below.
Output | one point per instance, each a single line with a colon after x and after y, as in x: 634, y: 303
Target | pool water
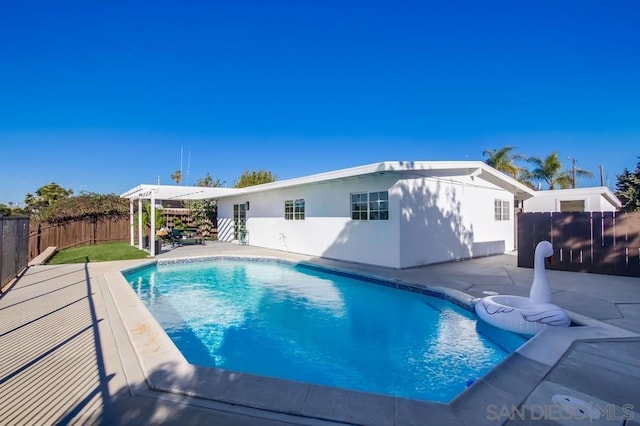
x: 299, y: 323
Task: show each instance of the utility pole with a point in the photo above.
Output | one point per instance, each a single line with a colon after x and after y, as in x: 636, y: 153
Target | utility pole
x: 573, y: 170
x: 601, y: 175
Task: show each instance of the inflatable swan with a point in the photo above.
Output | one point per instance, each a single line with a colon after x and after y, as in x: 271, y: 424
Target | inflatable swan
x: 526, y: 315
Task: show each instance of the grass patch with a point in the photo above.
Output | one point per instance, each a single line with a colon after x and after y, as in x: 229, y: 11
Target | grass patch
x: 97, y: 253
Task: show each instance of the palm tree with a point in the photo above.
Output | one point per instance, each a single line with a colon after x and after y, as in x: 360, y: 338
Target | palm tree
x: 503, y: 160
x: 524, y: 177
x: 29, y: 200
x: 549, y: 170
x: 177, y: 176
x: 52, y: 192
x: 577, y: 172
x: 46, y: 196
x: 146, y: 217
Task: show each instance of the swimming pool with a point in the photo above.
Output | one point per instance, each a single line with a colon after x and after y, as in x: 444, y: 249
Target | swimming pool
x: 300, y: 323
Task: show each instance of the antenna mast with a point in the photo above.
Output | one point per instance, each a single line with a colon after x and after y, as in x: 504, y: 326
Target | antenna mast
x: 188, y: 164
x: 180, y: 164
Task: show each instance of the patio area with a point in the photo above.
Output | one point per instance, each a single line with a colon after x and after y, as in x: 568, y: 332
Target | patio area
x: 77, y: 349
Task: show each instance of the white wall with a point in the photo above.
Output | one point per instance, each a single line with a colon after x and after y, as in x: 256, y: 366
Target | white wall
x: 451, y: 218
x: 438, y: 220
x: 327, y: 230
x: 549, y: 201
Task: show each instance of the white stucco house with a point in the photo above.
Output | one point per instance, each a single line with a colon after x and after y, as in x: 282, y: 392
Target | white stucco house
x: 592, y: 199
x: 393, y: 214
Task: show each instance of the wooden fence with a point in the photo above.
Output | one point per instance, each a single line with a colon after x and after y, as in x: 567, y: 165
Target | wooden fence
x: 14, y: 240
x: 598, y: 242
x: 76, y: 233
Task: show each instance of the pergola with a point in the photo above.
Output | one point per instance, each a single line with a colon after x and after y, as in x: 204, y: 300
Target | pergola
x: 154, y: 193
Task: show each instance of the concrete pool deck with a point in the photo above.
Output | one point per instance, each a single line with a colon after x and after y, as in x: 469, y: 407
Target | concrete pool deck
x: 76, y: 348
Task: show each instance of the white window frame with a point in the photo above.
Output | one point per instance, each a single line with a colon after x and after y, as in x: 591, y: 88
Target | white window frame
x: 288, y: 210
x: 379, y: 205
x: 298, y: 209
x: 359, y: 200
x: 294, y: 209
x: 501, y: 210
x: 369, y: 205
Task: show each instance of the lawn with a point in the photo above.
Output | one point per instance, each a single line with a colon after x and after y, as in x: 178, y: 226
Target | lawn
x: 97, y: 253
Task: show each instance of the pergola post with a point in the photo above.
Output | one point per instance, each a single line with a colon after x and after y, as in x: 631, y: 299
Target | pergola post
x: 152, y: 233
x: 140, y: 222
x: 131, y: 229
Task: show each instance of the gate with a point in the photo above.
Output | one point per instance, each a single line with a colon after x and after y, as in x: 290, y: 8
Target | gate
x: 14, y: 247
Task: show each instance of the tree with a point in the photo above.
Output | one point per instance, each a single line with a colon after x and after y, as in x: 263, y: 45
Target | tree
x: 503, y: 160
x: 251, y: 178
x: 13, y: 209
x: 204, y: 212
x: 46, y: 196
x: 210, y: 182
x: 53, y: 192
x: 549, y: 170
x: 85, y: 205
x: 577, y: 172
x: 525, y: 177
x: 146, y: 216
x: 177, y: 176
x: 628, y: 189
x: 5, y: 210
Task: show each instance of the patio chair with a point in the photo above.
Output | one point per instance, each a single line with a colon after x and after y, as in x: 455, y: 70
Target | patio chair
x: 175, y: 237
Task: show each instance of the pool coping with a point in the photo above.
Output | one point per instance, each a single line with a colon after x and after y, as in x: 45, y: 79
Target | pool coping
x: 509, y: 383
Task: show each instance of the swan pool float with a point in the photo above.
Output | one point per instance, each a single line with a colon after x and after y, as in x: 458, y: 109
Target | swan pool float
x: 526, y: 315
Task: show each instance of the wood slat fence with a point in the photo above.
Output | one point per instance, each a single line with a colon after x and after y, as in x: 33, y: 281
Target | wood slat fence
x: 14, y: 242
x: 79, y: 232
x: 597, y: 242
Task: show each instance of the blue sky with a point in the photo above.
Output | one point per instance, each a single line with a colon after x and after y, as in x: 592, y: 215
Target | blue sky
x: 101, y: 96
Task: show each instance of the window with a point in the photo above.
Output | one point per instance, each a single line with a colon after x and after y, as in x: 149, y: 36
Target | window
x: 359, y: 206
x: 370, y: 206
x: 294, y: 209
x: 572, y: 206
x: 501, y: 210
x: 505, y: 210
x: 288, y: 210
x: 298, y: 209
x: 379, y: 205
